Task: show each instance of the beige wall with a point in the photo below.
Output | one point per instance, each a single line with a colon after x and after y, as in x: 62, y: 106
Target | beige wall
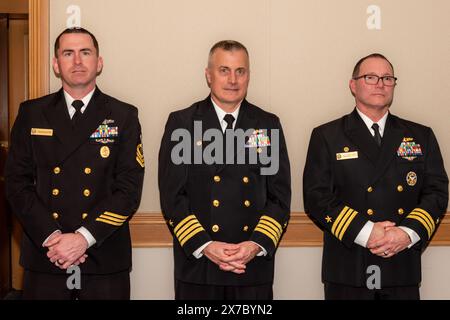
x: 302, y: 54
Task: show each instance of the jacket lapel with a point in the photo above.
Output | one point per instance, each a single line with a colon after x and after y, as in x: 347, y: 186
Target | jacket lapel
x: 71, y: 139
x: 392, y: 138
x: 357, y: 131
x: 58, y: 117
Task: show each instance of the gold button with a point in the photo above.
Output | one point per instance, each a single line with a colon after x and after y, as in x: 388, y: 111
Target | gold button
x: 216, y: 203
x: 401, y: 211
x: 216, y: 178
x: 84, y: 216
x: 199, y: 143
x: 57, y: 170
x: 245, y: 179
x: 87, y: 170
x: 215, y: 228
x: 87, y: 192
x: 399, y: 188
x: 55, y: 215
x: 370, y: 212
x: 369, y: 189
x: 259, y: 150
x: 55, y: 192
x: 247, y: 203
x: 245, y: 228
x: 346, y: 149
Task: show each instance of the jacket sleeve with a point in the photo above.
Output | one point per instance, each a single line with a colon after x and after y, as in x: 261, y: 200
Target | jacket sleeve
x: 276, y: 213
x: 114, y: 211
x: 434, y: 194
x: 20, y: 176
x: 320, y: 198
x: 172, y: 179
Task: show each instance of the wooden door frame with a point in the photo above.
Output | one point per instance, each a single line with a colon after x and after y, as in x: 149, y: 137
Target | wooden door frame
x: 39, y: 45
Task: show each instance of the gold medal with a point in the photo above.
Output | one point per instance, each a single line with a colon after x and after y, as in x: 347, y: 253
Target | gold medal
x: 104, y: 152
x: 411, y: 178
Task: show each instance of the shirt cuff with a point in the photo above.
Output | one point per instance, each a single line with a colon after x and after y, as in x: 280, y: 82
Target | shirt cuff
x: 87, y: 235
x: 263, y: 251
x: 199, y: 252
x: 364, y: 235
x: 45, y: 241
x: 412, y: 235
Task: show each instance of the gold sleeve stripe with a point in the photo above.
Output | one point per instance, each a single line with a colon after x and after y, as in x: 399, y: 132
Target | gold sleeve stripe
x: 427, y: 215
x: 422, y: 222
x: 271, y: 226
x: 269, y: 230
x: 267, y: 234
x: 191, y: 235
x: 109, y: 222
x: 186, y: 225
x: 275, y: 222
x: 425, y: 218
x: 349, y: 220
x: 111, y: 218
x: 343, y: 221
x: 141, y: 162
x: 188, y: 231
x: 115, y: 215
x: 338, y: 219
x: 183, y: 222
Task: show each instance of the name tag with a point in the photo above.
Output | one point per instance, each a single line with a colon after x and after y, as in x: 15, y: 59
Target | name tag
x: 347, y: 155
x: 41, y: 132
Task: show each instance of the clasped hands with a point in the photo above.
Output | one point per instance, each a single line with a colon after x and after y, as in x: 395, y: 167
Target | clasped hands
x: 386, y: 240
x: 231, y: 257
x: 66, y: 249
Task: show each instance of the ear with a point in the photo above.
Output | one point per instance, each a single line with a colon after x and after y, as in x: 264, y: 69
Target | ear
x: 99, y: 65
x: 208, y: 77
x: 352, y: 86
x: 55, y: 65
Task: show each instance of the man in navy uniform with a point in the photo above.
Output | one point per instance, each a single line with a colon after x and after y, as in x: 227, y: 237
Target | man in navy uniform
x: 377, y: 186
x: 74, y: 178
x: 227, y: 219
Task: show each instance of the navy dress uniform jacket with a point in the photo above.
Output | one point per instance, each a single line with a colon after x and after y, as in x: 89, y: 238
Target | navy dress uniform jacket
x: 62, y: 178
x: 348, y: 180
x: 230, y: 203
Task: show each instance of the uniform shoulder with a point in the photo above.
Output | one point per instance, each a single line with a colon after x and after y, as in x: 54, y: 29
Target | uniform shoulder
x: 38, y: 103
x: 121, y: 105
x: 331, y: 125
x: 411, y: 124
x: 260, y: 113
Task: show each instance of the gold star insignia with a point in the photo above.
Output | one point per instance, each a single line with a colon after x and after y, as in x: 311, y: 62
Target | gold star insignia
x: 328, y: 218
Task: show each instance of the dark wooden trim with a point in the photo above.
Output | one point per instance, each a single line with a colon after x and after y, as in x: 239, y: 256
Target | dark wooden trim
x: 149, y: 230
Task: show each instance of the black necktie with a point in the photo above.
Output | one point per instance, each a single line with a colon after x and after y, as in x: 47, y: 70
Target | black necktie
x: 77, y: 104
x: 229, y: 119
x: 377, y: 135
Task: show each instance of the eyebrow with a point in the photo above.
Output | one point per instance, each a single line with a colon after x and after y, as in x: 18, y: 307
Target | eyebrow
x: 72, y: 50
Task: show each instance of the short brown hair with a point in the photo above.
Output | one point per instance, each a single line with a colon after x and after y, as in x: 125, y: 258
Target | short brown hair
x: 373, y: 55
x: 76, y: 30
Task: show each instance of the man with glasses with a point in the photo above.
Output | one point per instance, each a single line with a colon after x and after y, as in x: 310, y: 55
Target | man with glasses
x: 377, y: 186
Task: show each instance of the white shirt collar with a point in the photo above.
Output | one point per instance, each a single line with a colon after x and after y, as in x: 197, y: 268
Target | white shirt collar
x: 69, y: 101
x: 221, y: 114
x: 369, y: 122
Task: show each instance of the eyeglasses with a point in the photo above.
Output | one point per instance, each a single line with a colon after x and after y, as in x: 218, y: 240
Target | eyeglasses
x: 388, y: 81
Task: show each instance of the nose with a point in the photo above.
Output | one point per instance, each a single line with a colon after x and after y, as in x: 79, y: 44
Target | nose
x: 232, y: 78
x: 77, y: 58
x: 380, y: 83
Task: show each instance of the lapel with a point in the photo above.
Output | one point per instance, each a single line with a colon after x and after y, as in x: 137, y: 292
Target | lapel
x: 58, y: 118
x: 392, y: 138
x: 357, y: 131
